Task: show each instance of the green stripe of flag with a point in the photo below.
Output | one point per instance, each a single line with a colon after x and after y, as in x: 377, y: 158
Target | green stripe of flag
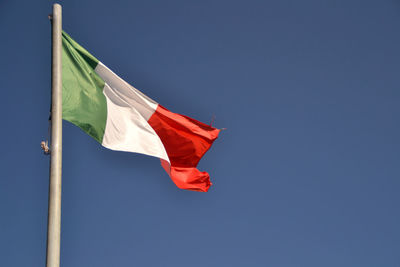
x: 84, y: 103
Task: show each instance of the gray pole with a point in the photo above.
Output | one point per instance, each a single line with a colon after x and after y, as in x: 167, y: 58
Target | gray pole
x: 54, y: 216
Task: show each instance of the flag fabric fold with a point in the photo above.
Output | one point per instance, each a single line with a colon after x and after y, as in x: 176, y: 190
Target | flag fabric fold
x: 120, y: 117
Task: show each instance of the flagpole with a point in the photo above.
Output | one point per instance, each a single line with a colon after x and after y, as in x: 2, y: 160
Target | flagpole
x: 54, y: 212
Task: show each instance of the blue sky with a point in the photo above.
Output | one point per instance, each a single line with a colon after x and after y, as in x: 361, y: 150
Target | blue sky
x: 306, y: 174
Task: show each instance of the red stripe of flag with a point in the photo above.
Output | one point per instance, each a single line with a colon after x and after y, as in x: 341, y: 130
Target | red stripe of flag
x: 186, y: 141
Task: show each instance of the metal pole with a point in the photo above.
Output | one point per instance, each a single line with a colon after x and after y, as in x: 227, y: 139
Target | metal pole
x: 54, y: 216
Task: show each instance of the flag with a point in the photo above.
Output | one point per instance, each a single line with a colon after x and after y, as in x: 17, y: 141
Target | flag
x: 122, y: 118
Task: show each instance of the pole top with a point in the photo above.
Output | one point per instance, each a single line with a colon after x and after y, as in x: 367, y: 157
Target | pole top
x: 56, y: 8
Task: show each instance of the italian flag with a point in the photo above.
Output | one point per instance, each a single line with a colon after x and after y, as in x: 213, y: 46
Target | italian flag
x: 120, y: 117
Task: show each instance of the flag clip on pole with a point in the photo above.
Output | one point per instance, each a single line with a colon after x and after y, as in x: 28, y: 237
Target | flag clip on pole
x: 54, y: 212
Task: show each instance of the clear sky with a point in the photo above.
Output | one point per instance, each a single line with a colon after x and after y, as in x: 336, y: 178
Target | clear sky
x: 306, y: 174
